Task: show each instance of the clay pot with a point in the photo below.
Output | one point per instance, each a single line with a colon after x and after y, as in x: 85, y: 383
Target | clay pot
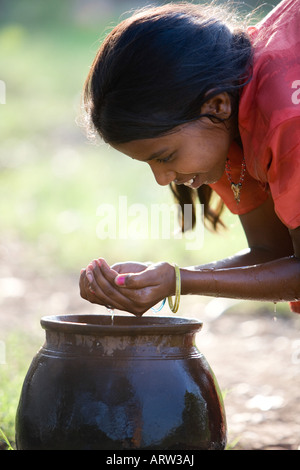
x: 140, y: 383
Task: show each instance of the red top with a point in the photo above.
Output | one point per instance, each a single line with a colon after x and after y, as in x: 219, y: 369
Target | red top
x: 269, y: 120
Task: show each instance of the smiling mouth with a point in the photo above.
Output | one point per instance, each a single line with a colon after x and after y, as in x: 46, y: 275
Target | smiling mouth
x: 190, y: 182
x: 186, y: 183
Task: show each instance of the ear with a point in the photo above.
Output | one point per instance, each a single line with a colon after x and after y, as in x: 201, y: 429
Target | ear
x: 219, y: 105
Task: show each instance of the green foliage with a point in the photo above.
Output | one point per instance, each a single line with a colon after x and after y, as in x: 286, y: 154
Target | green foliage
x: 5, y: 440
x: 52, y: 180
x: 20, y: 348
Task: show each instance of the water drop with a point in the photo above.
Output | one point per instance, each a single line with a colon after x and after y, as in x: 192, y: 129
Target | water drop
x: 112, y: 313
x: 275, y: 311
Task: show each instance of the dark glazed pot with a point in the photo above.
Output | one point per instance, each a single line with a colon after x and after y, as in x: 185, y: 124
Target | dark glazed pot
x: 140, y: 383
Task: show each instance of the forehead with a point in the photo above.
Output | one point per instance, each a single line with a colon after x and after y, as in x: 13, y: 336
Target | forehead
x: 149, y: 149
x: 146, y: 149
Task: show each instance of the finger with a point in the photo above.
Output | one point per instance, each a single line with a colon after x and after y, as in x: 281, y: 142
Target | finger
x: 86, y: 282
x: 89, y: 273
x: 96, y: 295
x: 137, y: 280
x: 129, y: 267
x: 98, y: 289
x: 82, y: 284
x: 102, y: 276
x: 103, y: 290
x: 109, y: 273
x: 87, y: 294
x: 100, y: 267
x: 86, y: 290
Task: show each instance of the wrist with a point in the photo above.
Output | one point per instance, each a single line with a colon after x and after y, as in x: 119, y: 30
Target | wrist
x: 197, y: 281
x: 175, y: 306
x: 168, y: 279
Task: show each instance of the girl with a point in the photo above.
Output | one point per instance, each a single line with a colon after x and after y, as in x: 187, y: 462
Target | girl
x: 210, y: 108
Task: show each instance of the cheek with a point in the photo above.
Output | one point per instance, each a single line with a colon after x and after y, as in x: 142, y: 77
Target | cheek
x: 207, y: 155
x: 219, y: 172
x: 218, y: 156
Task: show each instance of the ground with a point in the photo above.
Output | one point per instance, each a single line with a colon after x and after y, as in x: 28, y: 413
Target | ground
x: 256, y: 359
x: 254, y: 354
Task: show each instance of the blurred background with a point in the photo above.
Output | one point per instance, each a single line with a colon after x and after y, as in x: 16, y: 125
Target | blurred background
x: 53, y: 180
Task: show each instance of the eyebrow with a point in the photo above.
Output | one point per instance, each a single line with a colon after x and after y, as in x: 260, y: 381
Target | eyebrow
x: 157, y: 154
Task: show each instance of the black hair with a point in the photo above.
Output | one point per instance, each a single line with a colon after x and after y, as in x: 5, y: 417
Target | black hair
x: 155, y: 70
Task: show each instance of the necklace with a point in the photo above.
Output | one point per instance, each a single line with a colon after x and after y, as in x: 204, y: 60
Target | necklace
x: 236, y: 187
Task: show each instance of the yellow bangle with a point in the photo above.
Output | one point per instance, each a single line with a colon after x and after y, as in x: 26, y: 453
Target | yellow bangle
x: 175, y: 307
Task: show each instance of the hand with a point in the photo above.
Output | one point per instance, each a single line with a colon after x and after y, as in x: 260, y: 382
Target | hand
x: 88, y: 287
x: 90, y: 275
x: 129, y: 267
x: 148, y: 287
x: 135, y: 292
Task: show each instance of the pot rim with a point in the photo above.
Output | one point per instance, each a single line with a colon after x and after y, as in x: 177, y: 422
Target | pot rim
x: 127, y: 325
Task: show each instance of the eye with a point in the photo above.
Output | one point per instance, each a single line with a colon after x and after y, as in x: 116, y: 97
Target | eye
x: 166, y: 159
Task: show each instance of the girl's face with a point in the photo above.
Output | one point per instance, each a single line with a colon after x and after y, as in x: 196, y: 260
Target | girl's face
x: 193, y: 154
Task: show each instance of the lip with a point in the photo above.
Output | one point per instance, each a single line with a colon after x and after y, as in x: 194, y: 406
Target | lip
x: 194, y: 185
x: 187, y: 182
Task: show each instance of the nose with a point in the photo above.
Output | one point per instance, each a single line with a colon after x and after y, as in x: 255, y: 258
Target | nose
x: 163, y: 176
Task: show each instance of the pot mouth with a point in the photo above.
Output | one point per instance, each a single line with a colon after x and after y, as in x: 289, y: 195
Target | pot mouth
x: 128, y: 325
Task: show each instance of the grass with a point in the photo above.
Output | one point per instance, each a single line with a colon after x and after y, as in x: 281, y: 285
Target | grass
x: 5, y: 440
x: 20, y: 348
x: 55, y: 179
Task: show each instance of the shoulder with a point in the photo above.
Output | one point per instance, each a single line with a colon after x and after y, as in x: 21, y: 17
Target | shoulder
x: 279, y: 30
x: 273, y: 94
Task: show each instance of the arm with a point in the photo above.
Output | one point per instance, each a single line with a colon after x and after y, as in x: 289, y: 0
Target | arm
x: 275, y: 281
x: 268, y: 270
x: 267, y: 238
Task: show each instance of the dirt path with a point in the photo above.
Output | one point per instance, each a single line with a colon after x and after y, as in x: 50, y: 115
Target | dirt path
x: 256, y: 359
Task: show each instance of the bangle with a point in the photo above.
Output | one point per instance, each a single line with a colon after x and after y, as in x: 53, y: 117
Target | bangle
x: 156, y: 310
x: 175, y: 307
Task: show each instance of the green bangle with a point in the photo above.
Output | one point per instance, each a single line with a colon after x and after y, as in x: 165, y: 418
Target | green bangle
x: 174, y: 307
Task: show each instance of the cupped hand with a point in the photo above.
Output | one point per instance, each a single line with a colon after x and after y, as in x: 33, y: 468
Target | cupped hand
x: 129, y: 267
x: 135, y: 291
